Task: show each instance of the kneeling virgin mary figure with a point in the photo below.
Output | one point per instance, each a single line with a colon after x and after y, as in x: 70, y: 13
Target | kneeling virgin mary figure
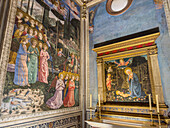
x: 134, y: 84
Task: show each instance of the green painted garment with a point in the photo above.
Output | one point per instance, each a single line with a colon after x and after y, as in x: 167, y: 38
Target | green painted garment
x: 32, y: 65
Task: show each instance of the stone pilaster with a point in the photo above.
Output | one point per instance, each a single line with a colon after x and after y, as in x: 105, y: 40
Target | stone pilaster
x: 155, y: 77
x: 100, y: 79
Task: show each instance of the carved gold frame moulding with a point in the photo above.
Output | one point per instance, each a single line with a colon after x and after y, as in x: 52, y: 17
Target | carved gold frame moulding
x: 144, y: 45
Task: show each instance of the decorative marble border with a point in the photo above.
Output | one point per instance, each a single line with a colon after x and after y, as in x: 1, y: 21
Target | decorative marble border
x: 131, y: 109
x: 3, y: 69
x: 60, y: 121
x: 38, y: 115
x: 6, y: 44
x: 131, y: 118
x: 88, y: 114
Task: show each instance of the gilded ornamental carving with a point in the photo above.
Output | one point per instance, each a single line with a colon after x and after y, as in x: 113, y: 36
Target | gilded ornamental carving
x: 152, y: 51
x: 99, y: 60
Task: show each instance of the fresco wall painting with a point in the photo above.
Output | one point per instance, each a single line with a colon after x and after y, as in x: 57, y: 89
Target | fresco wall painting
x: 44, y: 62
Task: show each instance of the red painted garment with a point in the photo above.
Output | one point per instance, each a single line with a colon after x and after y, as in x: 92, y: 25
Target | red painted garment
x: 43, y: 72
x: 69, y: 100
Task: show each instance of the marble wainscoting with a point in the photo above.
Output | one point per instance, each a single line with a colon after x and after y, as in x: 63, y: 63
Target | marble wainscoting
x: 71, y: 120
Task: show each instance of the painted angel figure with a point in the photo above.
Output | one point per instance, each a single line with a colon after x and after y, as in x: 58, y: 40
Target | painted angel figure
x: 122, y: 63
x: 66, y: 81
x: 76, y: 91
x: 21, y: 70
x: 69, y: 100
x: 53, y: 83
x: 56, y: 101
x: 33, y: 62
x: 43, y: 72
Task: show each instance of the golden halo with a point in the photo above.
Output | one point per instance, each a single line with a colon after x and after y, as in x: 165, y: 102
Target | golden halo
x: 34, y: 39
x: 77, y: 76
x: 26, y: 25
x: 24, y: 37
x: 44, y: 45
x: 128, y: 68
x: 109, y: 74
x: 60, y: 74
x: 73, y: 76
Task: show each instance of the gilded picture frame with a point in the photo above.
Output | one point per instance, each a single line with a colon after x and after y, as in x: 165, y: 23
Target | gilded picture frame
x: 129, y: 48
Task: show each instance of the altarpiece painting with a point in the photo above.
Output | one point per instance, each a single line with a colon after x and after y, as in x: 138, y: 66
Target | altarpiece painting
x: 128, y: 74
x: 127, y: 79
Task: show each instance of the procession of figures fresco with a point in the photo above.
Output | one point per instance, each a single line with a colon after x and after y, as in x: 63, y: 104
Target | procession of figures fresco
x: 127, y: 80
x: 44, y: 61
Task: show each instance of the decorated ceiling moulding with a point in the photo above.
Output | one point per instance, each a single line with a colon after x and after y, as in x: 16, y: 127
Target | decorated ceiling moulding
x: 84, y: 11
x: 94, y: 2
x: 79, y: 2
x: 117, y: 7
